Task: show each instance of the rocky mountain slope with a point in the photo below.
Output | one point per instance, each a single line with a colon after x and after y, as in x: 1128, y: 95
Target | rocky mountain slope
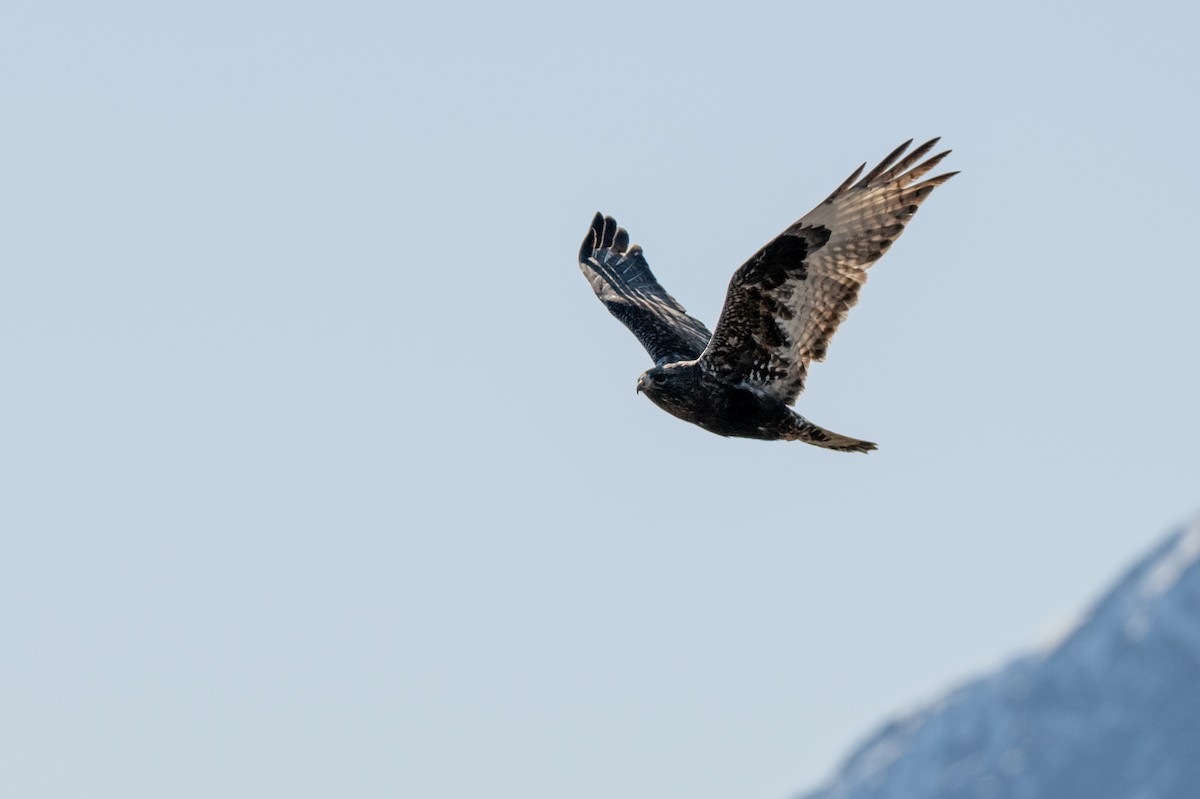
x: 1112, y: 711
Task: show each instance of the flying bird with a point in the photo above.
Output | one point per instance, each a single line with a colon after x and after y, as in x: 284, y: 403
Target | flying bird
x: 781, y: 309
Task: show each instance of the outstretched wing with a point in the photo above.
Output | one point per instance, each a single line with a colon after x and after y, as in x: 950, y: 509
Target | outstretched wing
x: 623, y: 281
x: 784, y: 304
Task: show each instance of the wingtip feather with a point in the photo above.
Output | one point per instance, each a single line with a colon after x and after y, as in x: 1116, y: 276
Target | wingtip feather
x: 591, y: 238
x: 885, y: 164
x: 937, y: 180
x: 847, y: 183
x: 916, y: 155
x: 608, y: 233
x: 621, y: 240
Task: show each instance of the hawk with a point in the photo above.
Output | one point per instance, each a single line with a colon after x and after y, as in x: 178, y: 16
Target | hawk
x: 781, y: 309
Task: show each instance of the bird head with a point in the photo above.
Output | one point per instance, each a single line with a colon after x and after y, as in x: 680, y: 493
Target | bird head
x: 653, y: 379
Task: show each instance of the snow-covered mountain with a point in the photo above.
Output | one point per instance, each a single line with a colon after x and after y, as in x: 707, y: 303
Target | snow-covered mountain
x: 1112, y: 711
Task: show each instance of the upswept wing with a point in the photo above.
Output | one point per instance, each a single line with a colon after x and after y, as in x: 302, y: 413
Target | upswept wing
x: 623, y: 281
x: 784, y: 304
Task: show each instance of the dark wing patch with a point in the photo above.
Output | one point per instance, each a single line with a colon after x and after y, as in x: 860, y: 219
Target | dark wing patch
x: 623, y: 281
x: 768, y: 334
x: 753, y: 340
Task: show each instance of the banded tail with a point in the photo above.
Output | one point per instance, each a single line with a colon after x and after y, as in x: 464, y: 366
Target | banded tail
x: 809, y: 433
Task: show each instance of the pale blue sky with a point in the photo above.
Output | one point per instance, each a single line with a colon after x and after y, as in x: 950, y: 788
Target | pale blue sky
x: 323, y: 470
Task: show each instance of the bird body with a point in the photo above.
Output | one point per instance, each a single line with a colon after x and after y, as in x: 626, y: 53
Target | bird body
x: 685, y: 390
x: 781, y: 309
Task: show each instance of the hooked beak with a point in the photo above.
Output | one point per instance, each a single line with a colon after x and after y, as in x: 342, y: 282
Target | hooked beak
x: 641, y: 385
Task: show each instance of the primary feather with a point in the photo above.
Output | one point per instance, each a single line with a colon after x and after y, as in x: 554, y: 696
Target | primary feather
x: 623, y: 281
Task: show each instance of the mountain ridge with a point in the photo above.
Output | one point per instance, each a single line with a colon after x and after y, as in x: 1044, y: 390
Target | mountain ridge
x: 1110, y: 710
